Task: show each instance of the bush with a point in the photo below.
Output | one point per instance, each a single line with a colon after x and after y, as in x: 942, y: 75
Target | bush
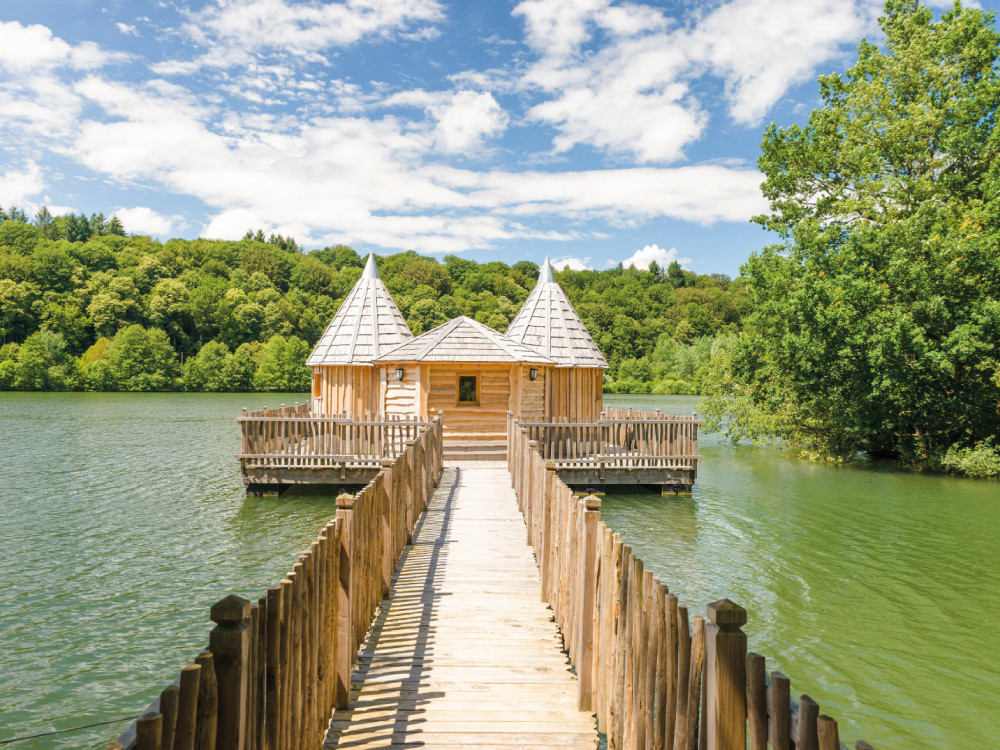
x: 982, y: 460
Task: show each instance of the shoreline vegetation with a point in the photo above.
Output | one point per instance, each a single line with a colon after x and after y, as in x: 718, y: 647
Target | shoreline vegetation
x: 95, y: 309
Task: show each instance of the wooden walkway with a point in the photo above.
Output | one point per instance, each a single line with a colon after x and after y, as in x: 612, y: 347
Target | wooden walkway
x: 464, y: 652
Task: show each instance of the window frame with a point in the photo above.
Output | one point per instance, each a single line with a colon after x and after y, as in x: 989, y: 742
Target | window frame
x: 458, y: 388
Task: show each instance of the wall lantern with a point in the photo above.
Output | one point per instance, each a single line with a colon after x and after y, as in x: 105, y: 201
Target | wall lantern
x: 533, y: 373
x: 399, y: 373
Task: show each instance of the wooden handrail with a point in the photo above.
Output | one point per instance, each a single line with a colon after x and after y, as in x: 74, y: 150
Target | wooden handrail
x: 276, y: 668
x: 655, y: 677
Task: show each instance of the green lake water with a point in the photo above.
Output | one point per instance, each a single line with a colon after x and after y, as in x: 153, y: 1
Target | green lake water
x: 122, y: 518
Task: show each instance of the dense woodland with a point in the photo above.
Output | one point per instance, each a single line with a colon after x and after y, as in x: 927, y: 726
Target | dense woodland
x: 85, y: 306
x: 875, y: 323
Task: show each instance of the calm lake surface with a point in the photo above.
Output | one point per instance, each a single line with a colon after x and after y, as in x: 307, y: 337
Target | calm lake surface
x: 122, y: 519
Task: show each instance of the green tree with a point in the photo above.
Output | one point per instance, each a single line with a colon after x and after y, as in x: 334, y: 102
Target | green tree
x: 43, y: 364
x: 281, y: 365
x: 876, y: 323
x: 142, y: 360
x: 207, y: 370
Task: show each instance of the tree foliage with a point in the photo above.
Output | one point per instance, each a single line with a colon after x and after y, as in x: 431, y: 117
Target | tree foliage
x: 876, y: 322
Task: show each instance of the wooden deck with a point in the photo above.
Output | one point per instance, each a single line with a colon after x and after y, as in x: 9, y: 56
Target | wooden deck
x: 464, y: 652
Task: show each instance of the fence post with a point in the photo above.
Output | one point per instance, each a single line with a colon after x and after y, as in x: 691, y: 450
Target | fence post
x: 229, y: 643
x: 345, y: 627
x: 587, y: 603
x: 385, y: 493
x: 726, y: 660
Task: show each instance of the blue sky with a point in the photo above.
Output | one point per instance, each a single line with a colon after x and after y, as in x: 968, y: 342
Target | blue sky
x: 592, y: 131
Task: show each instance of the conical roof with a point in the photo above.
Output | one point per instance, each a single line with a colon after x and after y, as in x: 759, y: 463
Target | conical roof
x: 367, y: 324
x: 547, y: 322
x: 463, y: 340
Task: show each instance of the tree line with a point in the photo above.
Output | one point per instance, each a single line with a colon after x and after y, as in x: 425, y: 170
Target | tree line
x: 875, y: 321
x: 84, y: 305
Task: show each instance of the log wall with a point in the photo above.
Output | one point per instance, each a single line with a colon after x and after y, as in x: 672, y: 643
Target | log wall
x: 489, y: 417
x: 574, y: 392
x: 350, y: 389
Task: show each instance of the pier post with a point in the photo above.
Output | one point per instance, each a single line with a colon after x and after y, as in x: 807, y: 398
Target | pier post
x: 725, y: 673
x: 345, y: 626
x: 586, y: 605
x: 229, y: 643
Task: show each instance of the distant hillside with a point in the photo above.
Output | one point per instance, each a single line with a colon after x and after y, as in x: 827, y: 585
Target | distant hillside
x: 83, y: 306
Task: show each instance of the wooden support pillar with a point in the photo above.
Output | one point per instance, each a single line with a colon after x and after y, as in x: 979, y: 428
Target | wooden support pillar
x: 229, y: 643
x: 587, y: 603
x: 345, y: 627
x: 385, y: 501
x: 726, y: 652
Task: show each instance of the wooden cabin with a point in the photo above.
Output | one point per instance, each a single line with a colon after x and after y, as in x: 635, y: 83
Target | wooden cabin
x: 345, y: 378
x: 367, y: 363
x: 547, y: 322
x: 472, y: 374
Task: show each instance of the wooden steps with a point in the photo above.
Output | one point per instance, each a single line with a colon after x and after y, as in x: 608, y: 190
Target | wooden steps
x: 464, y: 653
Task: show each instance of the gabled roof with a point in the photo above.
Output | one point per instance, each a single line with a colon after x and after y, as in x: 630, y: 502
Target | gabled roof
x: 367, y: 324
x: 547, y: 322
x: 463, y: 340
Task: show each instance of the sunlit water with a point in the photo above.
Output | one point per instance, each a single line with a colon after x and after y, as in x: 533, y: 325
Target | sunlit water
x: 876, y: 590
x: 122, y: 518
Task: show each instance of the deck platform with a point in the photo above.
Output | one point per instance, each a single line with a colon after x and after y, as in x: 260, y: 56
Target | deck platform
x: 464, y: 653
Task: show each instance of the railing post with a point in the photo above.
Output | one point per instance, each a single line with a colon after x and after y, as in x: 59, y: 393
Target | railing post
x: 725, y: 671
x: 345, y: 627
x: 586, y: 606
x: 386, y: 504
x: 544, y: 553
x: 229, y: 643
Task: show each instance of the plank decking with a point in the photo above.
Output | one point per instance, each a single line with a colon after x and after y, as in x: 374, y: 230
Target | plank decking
x: 464, y: 652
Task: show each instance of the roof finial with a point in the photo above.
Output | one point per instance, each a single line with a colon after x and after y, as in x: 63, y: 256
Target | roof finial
x: 371, y: 270
x: 546, y: 274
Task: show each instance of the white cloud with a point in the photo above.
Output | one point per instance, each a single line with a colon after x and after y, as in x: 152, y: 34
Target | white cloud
x: 625, y: 78
x: 127, y: 29
x: 17, y: 186
x: 144, y: 220
x: 232, y: 224
x: 761, y: 47
x: 654, y: 254
x: 464, y: 118
x: 34, y: 48
x: 574, y: 264
x: 306, y: 27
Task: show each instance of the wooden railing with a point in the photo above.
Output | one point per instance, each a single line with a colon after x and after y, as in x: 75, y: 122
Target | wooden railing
x: 274, y: 670
x: 290, y: 437
x: 655, y: 677
x: 619, y: 439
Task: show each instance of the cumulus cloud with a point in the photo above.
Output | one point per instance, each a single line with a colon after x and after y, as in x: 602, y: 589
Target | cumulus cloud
x: 127, y: 29
x: 17, y: 186
x: 144, y: 220
x: 574, y: 264
x: 34, y: 48
x: 642, y: 258
x: 464, y: 119
x: 623, y: 78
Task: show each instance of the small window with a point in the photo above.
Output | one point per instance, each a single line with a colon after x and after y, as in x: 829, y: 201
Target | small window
x: 317, y: 383
x: 468, y: 389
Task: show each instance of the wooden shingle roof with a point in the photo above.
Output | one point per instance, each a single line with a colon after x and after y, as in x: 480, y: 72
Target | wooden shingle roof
x: 463, y: 340
x: 367, y: 324
x: 547, y: 322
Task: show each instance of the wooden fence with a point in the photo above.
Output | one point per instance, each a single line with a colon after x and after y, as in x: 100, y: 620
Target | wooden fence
x: 619, y: 439
x: 290, y: 437
x: 274, y: 670
x: 656, y: 678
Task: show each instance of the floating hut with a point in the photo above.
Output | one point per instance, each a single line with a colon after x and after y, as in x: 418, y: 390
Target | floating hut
x: 374, y: 384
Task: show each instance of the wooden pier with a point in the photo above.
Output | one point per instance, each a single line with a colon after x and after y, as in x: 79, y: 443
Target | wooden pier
x: 432, y: 613
x: 464, y: 652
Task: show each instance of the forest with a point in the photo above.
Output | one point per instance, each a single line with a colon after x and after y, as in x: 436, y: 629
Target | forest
x: 85, y: 306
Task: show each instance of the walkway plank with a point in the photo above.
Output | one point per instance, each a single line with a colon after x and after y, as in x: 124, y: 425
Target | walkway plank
x: 464, y: 653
